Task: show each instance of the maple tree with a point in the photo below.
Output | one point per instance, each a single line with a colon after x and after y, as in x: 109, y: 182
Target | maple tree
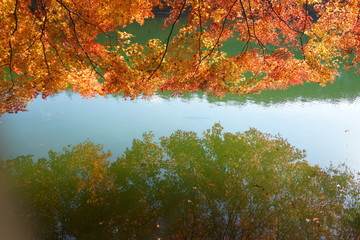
x: 50, y: 45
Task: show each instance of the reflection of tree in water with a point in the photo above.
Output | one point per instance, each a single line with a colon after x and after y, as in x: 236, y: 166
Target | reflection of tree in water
x: 345, y: 89
x: 247, y: 185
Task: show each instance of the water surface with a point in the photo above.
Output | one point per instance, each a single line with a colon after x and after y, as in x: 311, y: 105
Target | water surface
x: 323, y: 121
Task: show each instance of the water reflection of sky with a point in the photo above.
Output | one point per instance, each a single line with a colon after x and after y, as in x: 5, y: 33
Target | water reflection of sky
x: 328, y: 131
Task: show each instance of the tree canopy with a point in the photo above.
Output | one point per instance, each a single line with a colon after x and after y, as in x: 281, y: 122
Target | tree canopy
x: 51, y: 45
x: 221, y: 185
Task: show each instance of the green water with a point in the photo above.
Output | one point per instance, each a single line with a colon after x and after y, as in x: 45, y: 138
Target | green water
x: 191, y: 179
x: 323, y: 121
x: 217, y: 185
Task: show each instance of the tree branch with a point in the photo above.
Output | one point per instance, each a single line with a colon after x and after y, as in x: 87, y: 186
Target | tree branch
x: 254, y: 31
x: 43, y: 45
x: 12, y: 50
x: 303, y: 30
x: 217, y: 40
x: 221, y: 31
x: 246, y: 46
x: 57, y: 52
x: 92, y: 62
x: 81, y: 18
x: 201, y: 30
x: 280, y: 18
x: 168, y: 39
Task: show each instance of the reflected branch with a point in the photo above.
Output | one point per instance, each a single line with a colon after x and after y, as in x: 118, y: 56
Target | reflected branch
x: 248, y: 185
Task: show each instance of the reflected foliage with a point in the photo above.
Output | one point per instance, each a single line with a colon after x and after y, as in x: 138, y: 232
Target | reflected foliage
x: 346, y: 88
x: 218, y: 47
x: 221, y: 185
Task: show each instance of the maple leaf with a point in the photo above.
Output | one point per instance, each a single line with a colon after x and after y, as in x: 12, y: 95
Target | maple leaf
x: 53, y: 45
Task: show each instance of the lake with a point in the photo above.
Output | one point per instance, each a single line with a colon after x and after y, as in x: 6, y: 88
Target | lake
x: 323, y: 121
x: 209, y: 186
x: 239, y: 188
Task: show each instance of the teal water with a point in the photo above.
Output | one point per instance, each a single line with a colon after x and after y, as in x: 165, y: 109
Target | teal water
x: 323, y: 121
x: 183, y: 186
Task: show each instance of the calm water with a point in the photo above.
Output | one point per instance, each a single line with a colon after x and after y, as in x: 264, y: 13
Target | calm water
x: 323, y: 121
x: 236, y: 187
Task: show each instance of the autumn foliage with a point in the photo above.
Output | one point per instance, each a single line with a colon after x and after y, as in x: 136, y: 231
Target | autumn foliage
x: 48, y: 46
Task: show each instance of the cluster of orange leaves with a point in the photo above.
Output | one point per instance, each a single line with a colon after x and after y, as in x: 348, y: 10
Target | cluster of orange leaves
x: 49, y: 46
